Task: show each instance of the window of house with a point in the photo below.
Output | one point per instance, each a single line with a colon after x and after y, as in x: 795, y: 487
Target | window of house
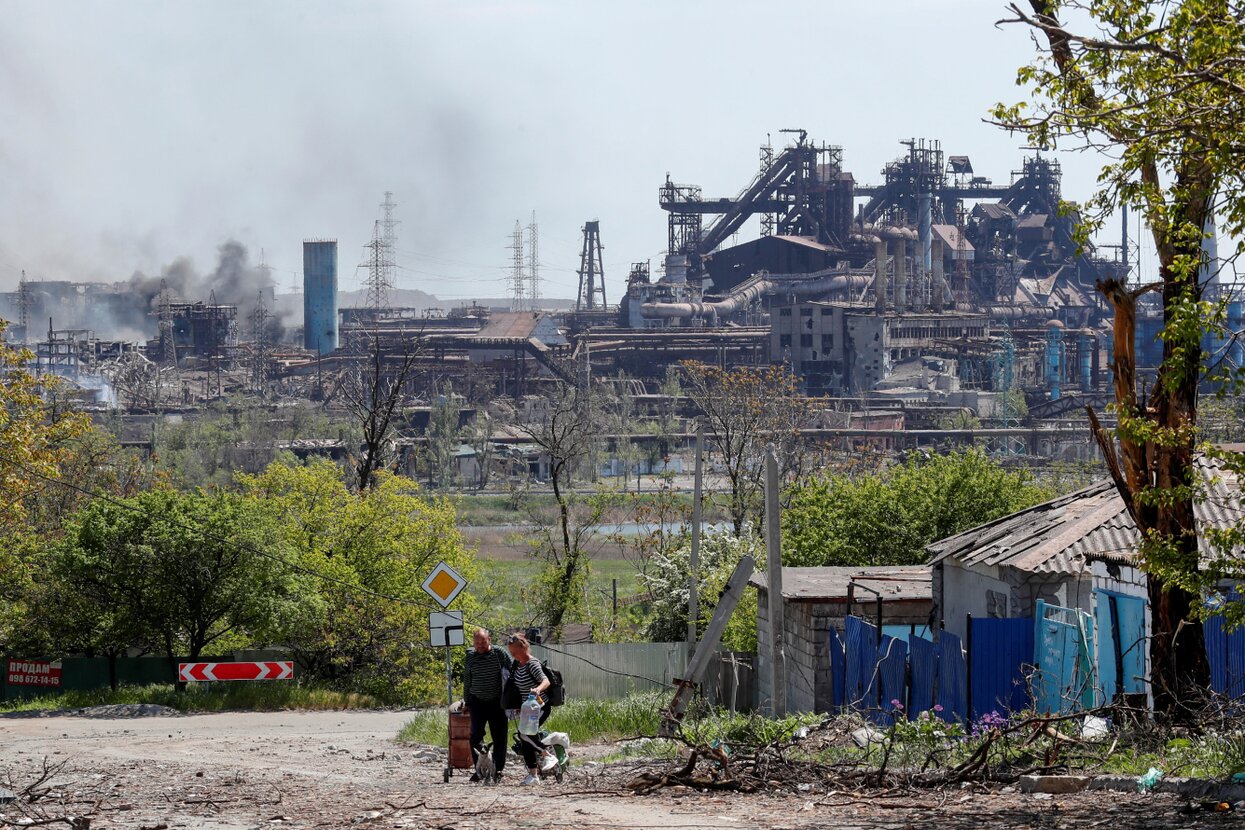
x: 806, y: 312
x: 784, y: 341
x: 784, y: 312
x: 826, y: 312
x: 806, y: 341
x: 827, y: 342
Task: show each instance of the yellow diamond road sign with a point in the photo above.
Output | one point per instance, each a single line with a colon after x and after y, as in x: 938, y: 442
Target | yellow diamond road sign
x: 443, y: 584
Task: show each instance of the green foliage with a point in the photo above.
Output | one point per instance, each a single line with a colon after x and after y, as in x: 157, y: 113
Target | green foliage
x: 369, y: 547
x: 205, y: 697
x: 668, y: 581
x: 888, y: 517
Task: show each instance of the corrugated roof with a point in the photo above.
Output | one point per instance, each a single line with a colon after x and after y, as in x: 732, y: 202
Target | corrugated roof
x: 830, y: 584
x: 510, y: 324
x: 951, y: 238
x: 806, y: 241
x: 1060, y: 536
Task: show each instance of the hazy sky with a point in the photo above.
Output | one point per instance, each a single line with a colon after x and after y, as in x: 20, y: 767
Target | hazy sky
x: 135, y: 132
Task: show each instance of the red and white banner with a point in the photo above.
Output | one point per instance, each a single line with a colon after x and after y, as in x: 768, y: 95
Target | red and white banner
x: 34, y: 673
x: 196, y: 672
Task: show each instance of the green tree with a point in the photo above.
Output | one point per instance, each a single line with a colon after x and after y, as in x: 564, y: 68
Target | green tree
x: 1159, y: 87
x: 566, y: 432
x: 888, y: 517
x: 34, y: 444
x: 186, y: 572
x: 443, y: 441
x: 363, y: 624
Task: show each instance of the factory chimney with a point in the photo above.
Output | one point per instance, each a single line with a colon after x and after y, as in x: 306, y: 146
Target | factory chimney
x: 320, y: 295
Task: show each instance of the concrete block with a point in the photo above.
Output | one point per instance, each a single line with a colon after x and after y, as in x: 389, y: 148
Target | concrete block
x: 1053, y: 784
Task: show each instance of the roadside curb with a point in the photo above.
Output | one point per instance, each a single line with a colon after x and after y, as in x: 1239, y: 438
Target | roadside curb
x: 1186, y: 787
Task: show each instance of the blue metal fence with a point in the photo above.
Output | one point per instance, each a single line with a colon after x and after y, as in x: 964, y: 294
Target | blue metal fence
x: 952, y: 678
x: 1000, y: 659
x: 1225, y: 651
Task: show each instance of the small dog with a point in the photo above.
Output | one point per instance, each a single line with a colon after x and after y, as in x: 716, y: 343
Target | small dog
x: 486, y: 772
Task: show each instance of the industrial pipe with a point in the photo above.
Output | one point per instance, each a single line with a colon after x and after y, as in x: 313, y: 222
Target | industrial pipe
x: 901, y: 275
x: 879, y: 273
x: 1016, y: 312
x: 1085, y: 356
x: 750, y: 293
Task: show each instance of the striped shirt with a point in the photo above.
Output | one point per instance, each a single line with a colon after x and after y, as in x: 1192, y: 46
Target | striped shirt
x: 482, y: 673
x: 528, y: 676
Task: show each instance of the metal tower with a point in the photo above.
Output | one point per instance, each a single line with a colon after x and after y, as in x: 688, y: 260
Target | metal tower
x: 767, y: 161
x: 591, y: 270
x: 518, y: 287
x: 533, y: 263
x: 382, y: 261
x: 168, y: 348
x: 23, y: 307
x: 259, y: 334
x: 379, y: 268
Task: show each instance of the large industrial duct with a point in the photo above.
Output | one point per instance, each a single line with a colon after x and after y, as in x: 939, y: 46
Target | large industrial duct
x: 1021, y: 310
x: 752, y: 291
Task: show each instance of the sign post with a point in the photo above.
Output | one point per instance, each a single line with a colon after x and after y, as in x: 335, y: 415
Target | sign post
x: 445, y: 628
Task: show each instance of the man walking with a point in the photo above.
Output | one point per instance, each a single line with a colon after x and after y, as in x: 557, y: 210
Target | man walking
x: 482, y: 683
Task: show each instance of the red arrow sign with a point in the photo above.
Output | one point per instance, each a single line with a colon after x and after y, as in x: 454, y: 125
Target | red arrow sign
x: 199, y: 672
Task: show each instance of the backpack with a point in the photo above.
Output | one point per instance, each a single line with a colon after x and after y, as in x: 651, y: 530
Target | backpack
x: 556, y: 691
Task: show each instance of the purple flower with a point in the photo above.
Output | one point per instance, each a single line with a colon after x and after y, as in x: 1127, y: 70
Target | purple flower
x: 937, y: 707
x: 896, y: 703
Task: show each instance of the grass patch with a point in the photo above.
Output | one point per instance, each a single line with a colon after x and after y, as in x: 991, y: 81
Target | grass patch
x: 582, y: 719
x: 222, y: 697
x: 499, y: 578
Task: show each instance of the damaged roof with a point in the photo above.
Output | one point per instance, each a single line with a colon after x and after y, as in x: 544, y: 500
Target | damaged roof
x: 830, y: 584
x: 1062, y: 535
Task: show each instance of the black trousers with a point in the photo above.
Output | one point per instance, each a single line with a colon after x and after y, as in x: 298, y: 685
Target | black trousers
x: 491, y: 714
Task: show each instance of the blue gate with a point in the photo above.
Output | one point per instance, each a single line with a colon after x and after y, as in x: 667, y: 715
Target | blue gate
x: 1064, y: 680
x: 1121, y: 644
x: 1000, y: 658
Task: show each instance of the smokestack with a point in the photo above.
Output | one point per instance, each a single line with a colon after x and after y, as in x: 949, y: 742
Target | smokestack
x: 925, y: 220
x: 879, y: 273
x: 320, y: 295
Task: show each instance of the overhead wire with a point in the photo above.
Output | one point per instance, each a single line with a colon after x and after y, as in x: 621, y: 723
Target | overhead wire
x: 244, y: 546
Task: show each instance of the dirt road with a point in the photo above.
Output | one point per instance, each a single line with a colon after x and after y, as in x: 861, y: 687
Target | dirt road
x: 342, y: 769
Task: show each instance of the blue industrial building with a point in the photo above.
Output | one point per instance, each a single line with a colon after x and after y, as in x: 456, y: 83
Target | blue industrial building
x: 320, y: 295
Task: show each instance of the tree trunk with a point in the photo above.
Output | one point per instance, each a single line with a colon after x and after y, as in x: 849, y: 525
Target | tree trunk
x: 1178, y: 667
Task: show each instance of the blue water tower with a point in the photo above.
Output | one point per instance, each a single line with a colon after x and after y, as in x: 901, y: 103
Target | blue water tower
x: 320, y: 295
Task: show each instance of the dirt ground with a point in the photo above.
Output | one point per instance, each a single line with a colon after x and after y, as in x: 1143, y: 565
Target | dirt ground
x: 342, y: 769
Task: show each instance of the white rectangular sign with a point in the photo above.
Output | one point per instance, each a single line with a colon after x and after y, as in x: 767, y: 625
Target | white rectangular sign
x: 445, y: 628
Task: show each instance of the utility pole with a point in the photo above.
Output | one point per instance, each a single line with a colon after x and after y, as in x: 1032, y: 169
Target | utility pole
x: 693, y: 594
x: 518, y: 289
x: 533, y: 263
x: 773, y: 547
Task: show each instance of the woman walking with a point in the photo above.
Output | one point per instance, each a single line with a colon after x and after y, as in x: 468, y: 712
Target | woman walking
x: 529, y: 678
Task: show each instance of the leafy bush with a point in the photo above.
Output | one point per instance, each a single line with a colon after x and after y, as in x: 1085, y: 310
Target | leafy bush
x: 669, y: 576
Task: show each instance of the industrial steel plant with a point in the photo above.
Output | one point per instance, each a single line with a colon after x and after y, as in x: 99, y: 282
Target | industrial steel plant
x: 933, y: 305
